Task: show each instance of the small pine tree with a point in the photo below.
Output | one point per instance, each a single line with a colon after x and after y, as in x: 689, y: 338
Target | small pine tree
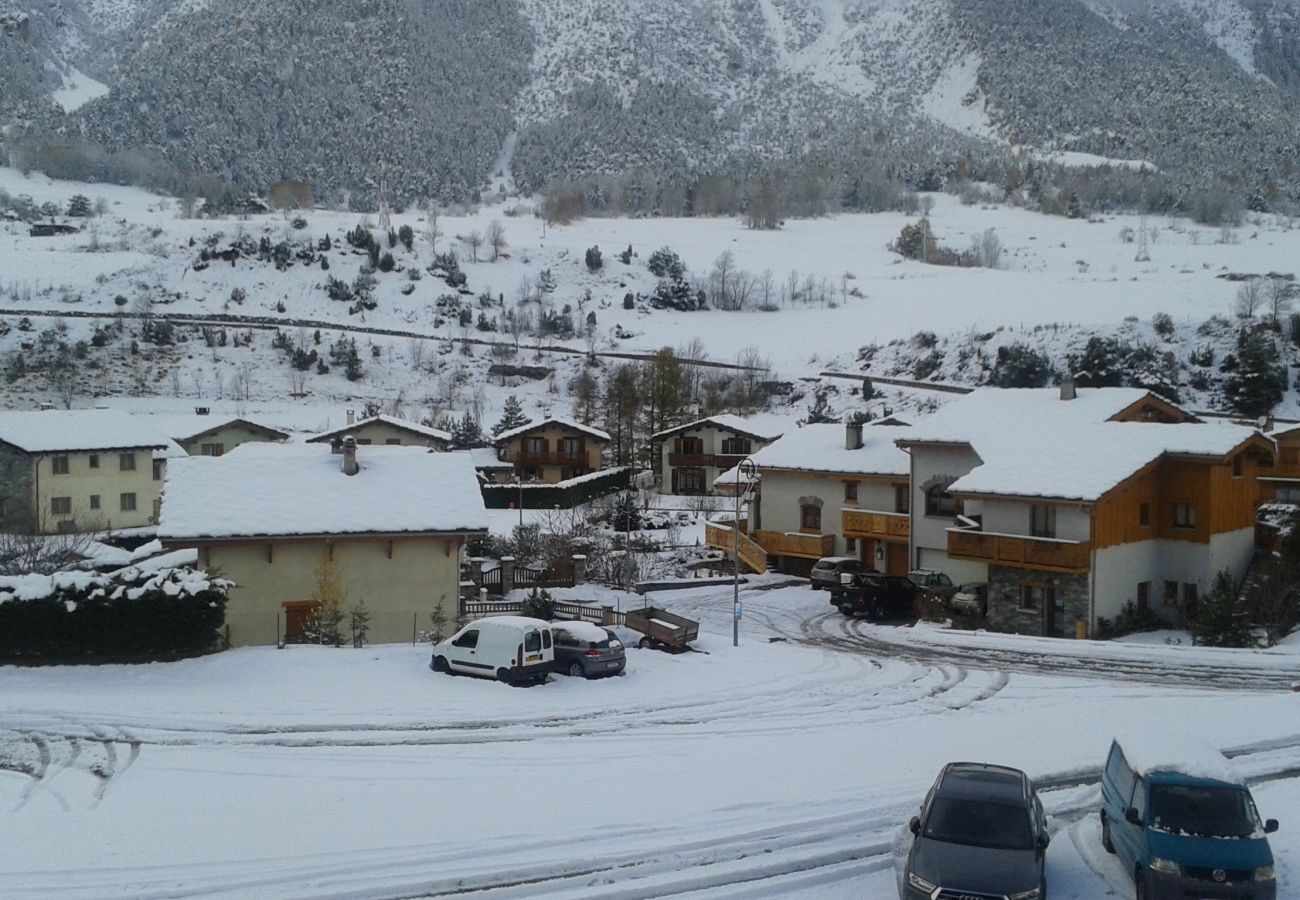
x: 352, y: 362
x: 512, y: 416
x: 594, y: 261
x: 1220, y: 618
x: 406, y: 235
x: 465, y: 433
x: 820, y: 412
x: 538, y: 605
x: 80, y: 207
x: 438, y: 622
x: 387, y: 263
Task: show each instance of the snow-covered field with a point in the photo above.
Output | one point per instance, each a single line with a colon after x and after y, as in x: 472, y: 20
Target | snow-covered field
x: 1055, y: 273
x: 782, y: 768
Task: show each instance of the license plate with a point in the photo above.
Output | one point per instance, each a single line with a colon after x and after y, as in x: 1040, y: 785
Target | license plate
x: 535, y: 658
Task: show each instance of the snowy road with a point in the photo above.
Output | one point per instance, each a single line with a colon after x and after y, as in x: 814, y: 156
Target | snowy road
x: 770, y: 770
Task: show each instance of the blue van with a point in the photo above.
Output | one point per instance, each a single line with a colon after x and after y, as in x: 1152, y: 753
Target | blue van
x: 1183, y: 823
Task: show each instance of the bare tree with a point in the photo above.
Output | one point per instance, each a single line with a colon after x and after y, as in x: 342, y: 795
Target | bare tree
x: 1250, y: 297
x: 518, y: 323
x: 720, y: 279
x: 987, y: 248
x: 199, y: 378
x: 766, y: 288
x: 475, y: 241
x: 496, y: 238
x: 1278, y: 295
x: 174, y: 382
x: 65, y: 384
x: 431, y: 231
x: 925, y: 204
x: 23, y: 552
x: 297, y: 382
x: 415, y: 348
x: 791, y: 289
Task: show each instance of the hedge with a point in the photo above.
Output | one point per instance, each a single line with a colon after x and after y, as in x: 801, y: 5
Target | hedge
x: 133, y: 615
x: 564, y: 494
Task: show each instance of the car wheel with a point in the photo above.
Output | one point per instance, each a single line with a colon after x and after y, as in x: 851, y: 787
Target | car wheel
x: 503, y: 676
x: 643, y: 643
x: 576, y: 670
x: 440, y: 664
x: 1105, y: 835
x: 1139, y: 884
x: 877, y: 612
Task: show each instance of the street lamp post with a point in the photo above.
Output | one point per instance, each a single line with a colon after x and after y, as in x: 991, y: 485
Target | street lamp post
x: 748, y: 471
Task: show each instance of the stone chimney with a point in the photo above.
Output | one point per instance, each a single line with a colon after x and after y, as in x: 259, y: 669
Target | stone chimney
x: 852, y: 434
x: 352, y: 417
x: 1067, y: 387
x: 350, y: 466
x: 201, y: 410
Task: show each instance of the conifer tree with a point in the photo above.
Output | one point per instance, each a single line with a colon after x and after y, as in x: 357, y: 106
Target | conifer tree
x: 512, y: 416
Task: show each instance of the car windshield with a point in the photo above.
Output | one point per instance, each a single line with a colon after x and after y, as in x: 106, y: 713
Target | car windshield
x: 1216, y: 812
x: 979, y: 824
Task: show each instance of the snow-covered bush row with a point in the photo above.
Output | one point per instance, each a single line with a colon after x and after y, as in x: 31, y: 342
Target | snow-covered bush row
x: 134, y: 614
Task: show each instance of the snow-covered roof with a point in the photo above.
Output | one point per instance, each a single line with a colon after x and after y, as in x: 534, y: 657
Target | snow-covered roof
x: 555, y: 422
x: 49, y: 431
x: 486, y: 458
x: 185, y: 426
x: 1187, y: 755
x: 820, y: 448
x: 435, y: 434
x: 1034, y: 444
x: 990, y: 411
x: 762, y: 427
x: 1083, y: 462
x: 266, y: 490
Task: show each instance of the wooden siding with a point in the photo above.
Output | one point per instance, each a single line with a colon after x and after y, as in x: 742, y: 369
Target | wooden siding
x: 1222, y: 502
x: 1021, y: 552
x: 871, y: 525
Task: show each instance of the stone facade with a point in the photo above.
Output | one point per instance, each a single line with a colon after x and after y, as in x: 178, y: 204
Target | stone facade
x: 1006, y: 608
x: 16, y: 491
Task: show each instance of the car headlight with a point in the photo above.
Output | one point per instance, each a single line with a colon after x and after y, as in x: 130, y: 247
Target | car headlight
x: 919, y: 883
x: 1264, y: 873
x: 1165, y: 866
x: 1031, y: 894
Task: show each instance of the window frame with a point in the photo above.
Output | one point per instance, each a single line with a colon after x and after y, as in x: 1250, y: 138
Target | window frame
x: 1042, y: 520
x: 1185, y: 516
x: 126, y: 462
x: 94, y: 501
x: 903, y: 499
x: 1144, y: 515
x: 816, y: 514
x: 122, y: 501
x: 850, y: 492
x: 935, y: 495
x: 59, y: 465
x: 93, y: 461
x: 60, y: 506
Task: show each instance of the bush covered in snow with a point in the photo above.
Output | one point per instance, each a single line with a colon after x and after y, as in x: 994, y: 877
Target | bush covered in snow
x: 134, y: 614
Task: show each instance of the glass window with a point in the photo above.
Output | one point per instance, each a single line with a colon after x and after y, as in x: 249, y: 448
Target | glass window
x: 546, y: 640
x: 94, y: 460
x: 212, y: 449
x: 1144, y: 595
x: 938, y: 502
x: 1287, y: 494
x: 468, y: 640
x: 534, y: 445
x: 1139, y: 801
x: 1215, y: 812
x: 159, y: 467
x: 902, y: 498
x: 94, y: 501
x: 1144, y: 515
x: 128, y: 502
x: 1184, y: 515
x: 851, y: 491
x: 979, y: 824
x: 1042, y: 520
x: 393, y: 441
x: 126, y: 462
x: 532, y: 642
x: 60, y: 465
x: 61, y: 506
x: 737, y: 446
x: 810, y: 517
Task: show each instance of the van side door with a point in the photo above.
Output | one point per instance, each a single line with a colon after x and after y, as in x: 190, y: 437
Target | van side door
x: 1116, y: 794
x: 1141, y: 853
x: 463, y: 653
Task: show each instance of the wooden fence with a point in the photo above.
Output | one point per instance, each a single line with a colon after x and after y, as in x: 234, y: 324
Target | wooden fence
x: 598, y: 615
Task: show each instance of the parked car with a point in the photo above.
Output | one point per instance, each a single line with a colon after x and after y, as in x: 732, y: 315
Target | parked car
x: 971, y: 599
x: 826, y: 571
x: 513, y: 649
x: 1184, y: 824
x: 873, y: 595
x: 933, y: 583
x: 981, y: 833
x: 587, y: 650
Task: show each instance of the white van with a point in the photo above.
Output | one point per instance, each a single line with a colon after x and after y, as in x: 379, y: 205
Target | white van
x: 513, y: 649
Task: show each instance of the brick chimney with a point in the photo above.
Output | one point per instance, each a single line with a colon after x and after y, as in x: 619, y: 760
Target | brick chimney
x: 350, y: 466
x: 1067, y: 387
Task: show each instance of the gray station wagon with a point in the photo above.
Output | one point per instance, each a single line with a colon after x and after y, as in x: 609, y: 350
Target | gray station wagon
x: 587, y: 650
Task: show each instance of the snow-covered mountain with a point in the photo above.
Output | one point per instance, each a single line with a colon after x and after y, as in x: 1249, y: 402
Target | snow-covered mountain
x: 330, y: 90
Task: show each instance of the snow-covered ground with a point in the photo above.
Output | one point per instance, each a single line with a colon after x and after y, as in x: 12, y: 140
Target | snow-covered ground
x: 1056, y: 275
x: 781, y: 768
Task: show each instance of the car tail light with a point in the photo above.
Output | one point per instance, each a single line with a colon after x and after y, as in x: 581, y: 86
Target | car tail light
x: 594, y: 654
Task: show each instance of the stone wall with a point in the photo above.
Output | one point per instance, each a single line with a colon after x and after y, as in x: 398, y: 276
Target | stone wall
x: 1005, y: 613
x: 16, y: 488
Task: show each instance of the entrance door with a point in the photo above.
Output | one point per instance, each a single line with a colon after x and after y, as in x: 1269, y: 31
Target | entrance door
x: 895, y: 558
x: 1054, y: 606
x: 299, y: 616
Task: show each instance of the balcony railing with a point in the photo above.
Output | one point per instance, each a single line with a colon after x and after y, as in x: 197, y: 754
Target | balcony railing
x: 1019, y: 551
x: 701, y: 460
x: 875, y: 525
x: 551, y: 458
x: 723, y: 536
x: 792, y: 543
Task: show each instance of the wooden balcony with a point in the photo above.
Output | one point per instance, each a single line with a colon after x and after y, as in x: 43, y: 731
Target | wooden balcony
x: 722, y: 537
x: 701, y: 460
x: 552, y: 458
x: 1019, y: 551
x: 872, y: 524
x: 792, y: 543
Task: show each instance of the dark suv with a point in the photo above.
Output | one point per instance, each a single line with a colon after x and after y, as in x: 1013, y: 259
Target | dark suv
x: 981, y: 835
x: 874, y: 595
